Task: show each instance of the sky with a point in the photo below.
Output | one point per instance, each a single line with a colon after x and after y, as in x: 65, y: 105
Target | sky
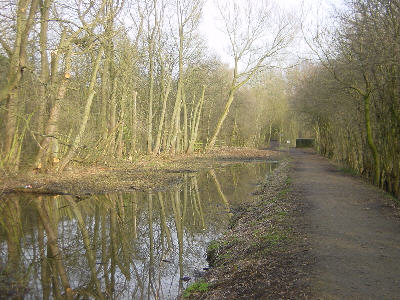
x: 316, y: 10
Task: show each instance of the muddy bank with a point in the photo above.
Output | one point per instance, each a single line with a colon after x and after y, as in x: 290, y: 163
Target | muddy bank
x: 264, y: 253
x: 147, y: 172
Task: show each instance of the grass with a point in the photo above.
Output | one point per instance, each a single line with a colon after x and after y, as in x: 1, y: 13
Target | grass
x: 213, y: 246
x: 284, y: 192
x: 195, y: 288
x: 212, y: 252
x: 274, y: 238
x: 349, y: 171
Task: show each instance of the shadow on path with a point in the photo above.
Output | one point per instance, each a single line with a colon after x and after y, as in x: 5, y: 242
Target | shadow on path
x: 353, y: 233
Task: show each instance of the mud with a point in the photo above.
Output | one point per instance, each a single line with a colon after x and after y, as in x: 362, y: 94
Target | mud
x: 147, y: 172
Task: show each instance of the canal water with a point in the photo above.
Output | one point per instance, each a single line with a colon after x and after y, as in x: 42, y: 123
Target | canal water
x: 136, y: 245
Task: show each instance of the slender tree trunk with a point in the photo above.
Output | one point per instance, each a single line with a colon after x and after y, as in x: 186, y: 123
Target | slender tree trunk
x: 151, y: 96
x: 196, y: 122
x: 44, y: 63
x: 52, y: 123
x: 18, y: 63
x: 112, y: 126
x: 17, y: 55
x: 370, y: 139
x: 86, y: 114
x: 175, y: 121
x: 120, y: 140
x: 221, y: 120
x: 164, y: 98
x: 185, y: 125
x: 105, y: 79
x: 134, y: 123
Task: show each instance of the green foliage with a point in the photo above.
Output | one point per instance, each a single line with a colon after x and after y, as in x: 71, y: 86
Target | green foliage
x: 212, y: 252
x: 305, y: 143
x: 349, y: 101
x: 197, y: 287
x: 274, y: 238
x: 349, y: 171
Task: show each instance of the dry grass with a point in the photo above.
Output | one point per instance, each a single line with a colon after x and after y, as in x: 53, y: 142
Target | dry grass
x: 146, y: 172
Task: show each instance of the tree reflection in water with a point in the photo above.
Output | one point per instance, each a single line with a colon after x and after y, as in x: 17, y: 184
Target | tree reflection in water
x: 117, y: 246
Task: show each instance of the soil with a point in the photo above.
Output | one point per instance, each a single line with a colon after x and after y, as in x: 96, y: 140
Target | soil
x: 353, y: 230
x: 146, y: 172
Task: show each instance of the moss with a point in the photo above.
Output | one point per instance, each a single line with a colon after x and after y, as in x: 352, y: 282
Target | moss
x: 349, y: 171
x: 195, y: 288
x: 231, y: 241
x: 274, y: 238
x: 284, y: 192
x: 212, y: 252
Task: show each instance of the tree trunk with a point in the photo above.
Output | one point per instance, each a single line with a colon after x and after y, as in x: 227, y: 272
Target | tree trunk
x: 164, y: 98
x: 52, y: 123
x: 221, y: 120
x: 185, y: 124
x: 17, y: 57
x: 112, y: 126
x: 44, y: 63
x: 151, y: 96
x: 120, y: 140
x: 18, y: 64
x: 196, y: 122
x: 175, y: 120
x: 134, y: 123
x: 86, y: 114
x: 370, y: 139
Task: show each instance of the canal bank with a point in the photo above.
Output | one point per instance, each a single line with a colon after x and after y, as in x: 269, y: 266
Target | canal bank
x: 264, y: 254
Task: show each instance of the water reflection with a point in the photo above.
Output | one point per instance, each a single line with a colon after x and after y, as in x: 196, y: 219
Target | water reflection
x: 117, y: 246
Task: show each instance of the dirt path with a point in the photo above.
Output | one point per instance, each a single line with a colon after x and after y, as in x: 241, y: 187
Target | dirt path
x: 353, y: 233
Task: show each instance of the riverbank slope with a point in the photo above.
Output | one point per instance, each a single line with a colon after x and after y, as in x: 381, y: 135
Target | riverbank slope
x: 264, y: 253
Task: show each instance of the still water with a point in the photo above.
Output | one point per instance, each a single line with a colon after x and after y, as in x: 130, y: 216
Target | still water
x: 137, y: 245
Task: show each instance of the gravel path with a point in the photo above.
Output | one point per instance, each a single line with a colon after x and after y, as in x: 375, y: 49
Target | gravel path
x: 353, y: 233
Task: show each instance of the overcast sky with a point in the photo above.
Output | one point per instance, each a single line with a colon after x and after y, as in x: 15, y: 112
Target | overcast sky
x: 315, y: 10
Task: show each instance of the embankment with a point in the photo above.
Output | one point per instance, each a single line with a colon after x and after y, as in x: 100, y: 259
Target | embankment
x: 264, y: 254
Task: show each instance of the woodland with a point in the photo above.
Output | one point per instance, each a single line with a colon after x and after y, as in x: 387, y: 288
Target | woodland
x: 89, y: 82
x: 95, y: 81
x: 350, y: 96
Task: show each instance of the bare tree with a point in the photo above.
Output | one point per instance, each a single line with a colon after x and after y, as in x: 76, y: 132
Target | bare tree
x: 18, y: 64
x: 188, y: 15
x: 257, y: 35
